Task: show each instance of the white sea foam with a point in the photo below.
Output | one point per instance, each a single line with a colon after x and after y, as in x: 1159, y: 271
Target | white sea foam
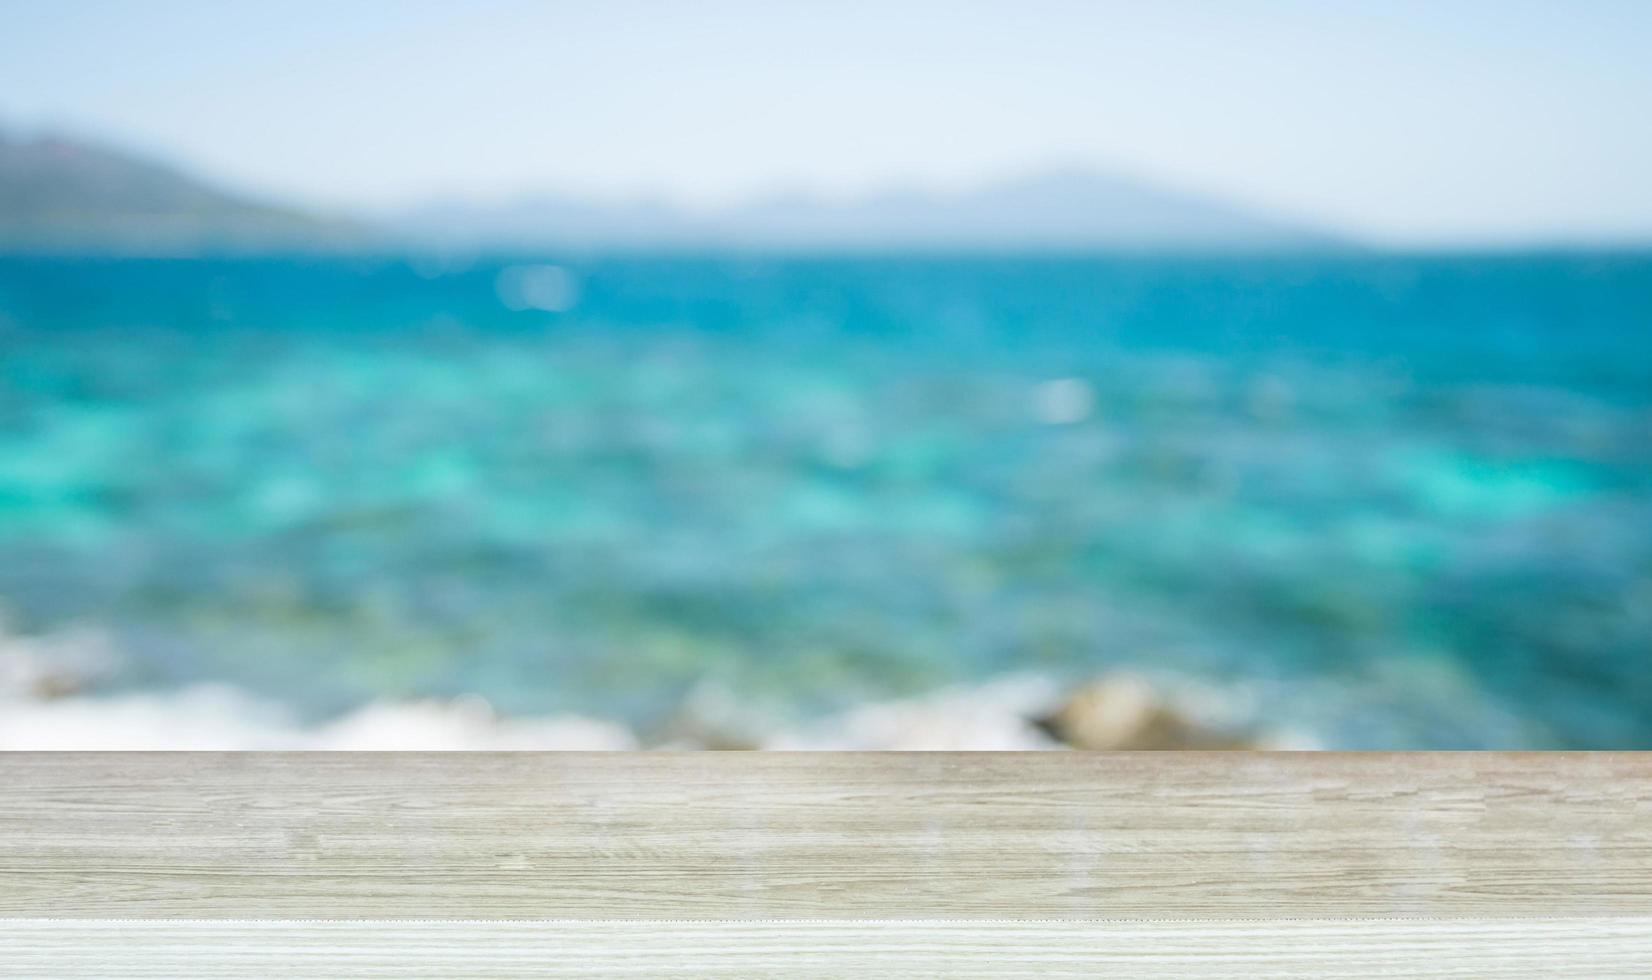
x: 223, y: 718
x: 45, y: 704
x: 996, y: 715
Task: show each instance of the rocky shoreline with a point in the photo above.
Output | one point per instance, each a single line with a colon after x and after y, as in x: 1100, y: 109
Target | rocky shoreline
x: 46, y: 702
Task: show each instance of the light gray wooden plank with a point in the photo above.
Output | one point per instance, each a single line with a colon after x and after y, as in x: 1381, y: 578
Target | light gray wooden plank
x: 60, y: 950
x: 762, y: 836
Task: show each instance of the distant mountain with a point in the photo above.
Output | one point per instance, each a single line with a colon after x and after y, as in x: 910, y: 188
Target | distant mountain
x: 58, y: 193
x: 64, y: 194
x: 1063, y: 210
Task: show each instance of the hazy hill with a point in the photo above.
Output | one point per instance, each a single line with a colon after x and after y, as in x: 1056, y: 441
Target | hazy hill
x: 58, y: 193
x: 67, y: 194
x: 1066, y: 210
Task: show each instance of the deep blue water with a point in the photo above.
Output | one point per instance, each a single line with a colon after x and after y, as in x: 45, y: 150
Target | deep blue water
x: 1401, y: 501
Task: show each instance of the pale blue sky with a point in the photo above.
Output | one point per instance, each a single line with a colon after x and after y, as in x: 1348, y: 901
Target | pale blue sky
x: 1421, y: 123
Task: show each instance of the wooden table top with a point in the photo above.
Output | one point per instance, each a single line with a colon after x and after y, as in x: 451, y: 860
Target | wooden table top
x: 936, y: 854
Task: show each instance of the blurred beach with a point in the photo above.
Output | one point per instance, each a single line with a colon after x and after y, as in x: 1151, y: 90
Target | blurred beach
x: 733, y: 375
x: 1345, y: 500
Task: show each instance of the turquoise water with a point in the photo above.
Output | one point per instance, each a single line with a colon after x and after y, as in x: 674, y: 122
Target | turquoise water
x: 1403, y: 501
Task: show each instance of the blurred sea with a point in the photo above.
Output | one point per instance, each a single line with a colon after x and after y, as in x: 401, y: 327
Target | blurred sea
x: 1396, y: 501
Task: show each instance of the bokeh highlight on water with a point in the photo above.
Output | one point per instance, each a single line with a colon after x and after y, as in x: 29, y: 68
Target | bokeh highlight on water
x: 1397, y: 501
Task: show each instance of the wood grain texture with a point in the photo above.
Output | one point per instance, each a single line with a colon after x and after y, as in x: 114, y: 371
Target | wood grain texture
x: 1593, y: 948
x: 1059, y: 836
